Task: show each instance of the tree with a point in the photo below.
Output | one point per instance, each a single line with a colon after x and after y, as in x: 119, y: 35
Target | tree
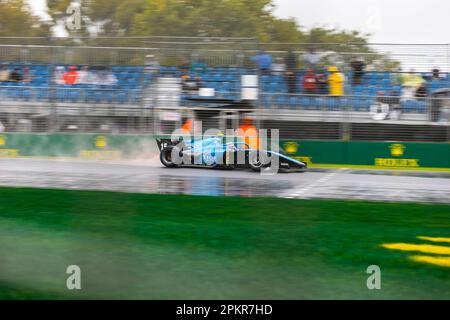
x: 211, y: 18
x: 204, y: 18
x: 107, y: 17
x: 17, y: 20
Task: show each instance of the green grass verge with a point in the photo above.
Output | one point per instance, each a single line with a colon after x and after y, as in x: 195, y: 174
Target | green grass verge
x: 187, y: 247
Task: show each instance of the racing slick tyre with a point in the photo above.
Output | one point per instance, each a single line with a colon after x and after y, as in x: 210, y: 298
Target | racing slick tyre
x: 166, y: 157
x: 256, y: 161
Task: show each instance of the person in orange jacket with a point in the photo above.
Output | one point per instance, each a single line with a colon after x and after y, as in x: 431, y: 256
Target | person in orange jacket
x: 71, y: 76
x: 249, y: 132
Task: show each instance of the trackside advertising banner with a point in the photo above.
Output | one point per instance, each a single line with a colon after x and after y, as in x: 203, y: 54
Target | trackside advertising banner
x: 111, y: 147
x: 83, y: 146
x: 379, y: 154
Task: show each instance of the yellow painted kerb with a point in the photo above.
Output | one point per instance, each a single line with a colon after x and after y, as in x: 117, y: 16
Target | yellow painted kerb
x: 424, y: 248
x: 433, y: 239
x: 438, y: 261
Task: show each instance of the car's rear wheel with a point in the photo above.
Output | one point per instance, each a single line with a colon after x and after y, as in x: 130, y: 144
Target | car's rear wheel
x: 166, y: 157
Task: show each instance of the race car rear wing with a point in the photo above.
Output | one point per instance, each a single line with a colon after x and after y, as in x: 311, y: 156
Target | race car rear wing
x: 164, y: 143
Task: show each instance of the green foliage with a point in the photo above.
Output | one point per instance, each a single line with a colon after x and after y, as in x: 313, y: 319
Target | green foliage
x: 212, y: 18
x: 195, y: 18
x: 16, y: 20
x: 202, y: 18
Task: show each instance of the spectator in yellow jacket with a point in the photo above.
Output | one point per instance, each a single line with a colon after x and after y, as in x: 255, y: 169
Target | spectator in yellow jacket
x: 336, y: 82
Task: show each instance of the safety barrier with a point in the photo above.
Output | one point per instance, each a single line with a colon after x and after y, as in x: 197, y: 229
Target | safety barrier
x: 83, y: 146
x: 341, y: 153
x: 377, y: 154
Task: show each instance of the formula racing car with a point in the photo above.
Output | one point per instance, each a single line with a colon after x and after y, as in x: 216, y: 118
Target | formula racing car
x: 212, y: 152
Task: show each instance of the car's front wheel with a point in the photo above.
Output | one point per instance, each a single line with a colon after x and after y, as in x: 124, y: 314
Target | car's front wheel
x: 256, y: 161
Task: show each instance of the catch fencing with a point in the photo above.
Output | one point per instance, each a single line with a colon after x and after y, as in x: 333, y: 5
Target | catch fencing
x: 134, y: 104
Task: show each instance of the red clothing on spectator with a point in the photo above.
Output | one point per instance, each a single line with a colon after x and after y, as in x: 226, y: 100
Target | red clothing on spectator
x: 309, y: 82
x: 70, y: 77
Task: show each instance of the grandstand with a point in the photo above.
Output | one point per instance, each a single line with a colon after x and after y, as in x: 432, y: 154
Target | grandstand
x: 225, y: 81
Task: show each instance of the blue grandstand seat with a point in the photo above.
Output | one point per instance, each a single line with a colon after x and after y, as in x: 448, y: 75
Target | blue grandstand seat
x: 361, y: 103
x: 294, y: 102
x: 318, y: 102
x: 305, y: 102
x: 414, y: 106
x: 23, y: 93
x: 122, y: 97
x: 281, y: 100
x: 408, y: 106
x: 332, y: 103
x: 266, y: 101
x: 273, y: 87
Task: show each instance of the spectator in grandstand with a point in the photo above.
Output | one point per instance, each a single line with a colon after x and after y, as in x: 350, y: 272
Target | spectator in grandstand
x: 436, y: 74
x: 291, y: 61
x: 391, y: 98
x: 71, y: 76
x: 84, y: 75
x: 358, y: 65
x: 336, y: 82
x: 322, y: 83
x: 26, y: 76
x: 422, y: 91
x: 4, y: 73
x: 58, y: 75
x: 102, y: 76
x: 291, y: 81
x: 410, y: 83
x: 185, y: 65
x: 263, y: 61
x: 152, y: 66
x: 107, y: 78
x: 16, y: 75
x: 310, y: 82
x: 191, y: 84
x: 279, y: 67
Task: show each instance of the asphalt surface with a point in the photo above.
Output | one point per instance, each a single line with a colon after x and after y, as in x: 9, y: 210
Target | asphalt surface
x: 150, y: 177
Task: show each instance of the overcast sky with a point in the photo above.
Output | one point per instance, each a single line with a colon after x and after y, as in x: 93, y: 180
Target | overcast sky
x: 390, y: 21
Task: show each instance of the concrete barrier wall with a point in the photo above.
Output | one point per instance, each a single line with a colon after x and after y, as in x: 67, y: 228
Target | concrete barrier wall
x: 110, y: 147
x: 379, y: 154
x: 84, y: 146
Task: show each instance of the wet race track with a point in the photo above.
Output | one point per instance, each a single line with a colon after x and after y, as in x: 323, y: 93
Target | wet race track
x: 151, y: 177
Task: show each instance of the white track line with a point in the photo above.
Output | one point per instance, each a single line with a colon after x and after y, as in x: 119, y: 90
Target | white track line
x: 302, y: 190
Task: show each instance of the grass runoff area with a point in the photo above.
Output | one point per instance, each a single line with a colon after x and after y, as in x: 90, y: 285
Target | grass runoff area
x: 137, y: 246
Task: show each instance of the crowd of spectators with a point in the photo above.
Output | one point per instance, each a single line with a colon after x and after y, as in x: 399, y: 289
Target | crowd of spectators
x: 317, y: 80
x: 310, y: 73
x: 17, y: 75
x: 97, y: 75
